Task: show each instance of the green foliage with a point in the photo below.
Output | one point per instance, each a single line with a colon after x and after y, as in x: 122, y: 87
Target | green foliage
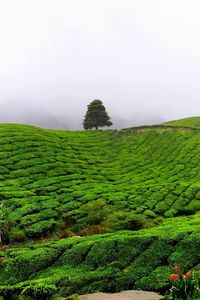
x: 36, y: 291
x: 184, y: 286
x: 50, y: 178
x: 193, y: 122
x: 40, y: 228
x: 32, y: 261
x: 39, y: 291
x: 17, y: 235
x: 126, y: 221
x: 110, y: 262
x: 10, y: 292
x: 59, y: 183
x: 95, y: 212
x: 5, y: 225
x: 96, y: 116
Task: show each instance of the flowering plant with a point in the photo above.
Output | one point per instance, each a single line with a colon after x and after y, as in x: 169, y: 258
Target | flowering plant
x: 184, y: 286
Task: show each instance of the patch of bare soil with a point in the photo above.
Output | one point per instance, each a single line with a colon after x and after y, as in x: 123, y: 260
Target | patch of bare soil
x: 126, y: 295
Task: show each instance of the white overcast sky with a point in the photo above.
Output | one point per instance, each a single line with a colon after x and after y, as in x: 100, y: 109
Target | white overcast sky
x: 140, y: 57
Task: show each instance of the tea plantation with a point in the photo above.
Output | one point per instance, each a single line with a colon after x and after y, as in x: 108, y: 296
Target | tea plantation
x: 99, y: 210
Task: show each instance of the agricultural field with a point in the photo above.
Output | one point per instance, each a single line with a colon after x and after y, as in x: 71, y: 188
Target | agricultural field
x: 91, y: 211
x: 193, y: 122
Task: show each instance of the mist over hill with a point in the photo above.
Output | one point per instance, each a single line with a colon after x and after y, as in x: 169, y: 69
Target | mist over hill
x: 55, y: 117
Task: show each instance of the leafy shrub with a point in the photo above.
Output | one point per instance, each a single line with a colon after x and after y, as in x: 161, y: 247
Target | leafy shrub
x: 40, y: 228
x: 76, y: 255
x: 10, y: 292
x: 5, y: 225
x: 39, y: 291
x: 157, y: 253
x: 17, y: 235
x: 192, y: 207
x: 158, y: 280
x: 170, y: 213
x: 149, y: 213
x: 186, y: 254
x: 125, y: 221
x: 31, y: 260
x: 96, y: 211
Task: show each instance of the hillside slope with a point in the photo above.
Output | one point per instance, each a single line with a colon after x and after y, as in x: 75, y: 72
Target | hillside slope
x: 48, y: 177
x: 61, y: 183
x: 111, y: 262
x: 192, y: 122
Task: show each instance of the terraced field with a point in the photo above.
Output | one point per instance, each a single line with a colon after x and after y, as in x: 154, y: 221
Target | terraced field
x: 109, y: 262
x: 48, y: 177
x: 56, y: 184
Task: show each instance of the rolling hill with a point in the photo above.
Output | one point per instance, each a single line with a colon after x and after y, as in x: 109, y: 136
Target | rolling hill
x: 192, y: 122
x: 139, y: 188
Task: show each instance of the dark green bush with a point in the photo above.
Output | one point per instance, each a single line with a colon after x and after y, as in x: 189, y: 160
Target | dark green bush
x: 39, y: 291
x: 40, y: 228
x: 10, y: 292
x: 125, y: 221
x: 17, y: 235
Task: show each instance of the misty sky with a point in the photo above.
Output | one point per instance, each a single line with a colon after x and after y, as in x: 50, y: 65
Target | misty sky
x: 140, y: 57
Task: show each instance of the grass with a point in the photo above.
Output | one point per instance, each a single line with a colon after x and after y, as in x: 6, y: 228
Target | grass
x: 133, y: 195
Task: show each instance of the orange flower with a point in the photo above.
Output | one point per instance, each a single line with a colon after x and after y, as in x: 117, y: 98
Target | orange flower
x: 173, y: 276
x: 188, y: 274
x: 176, y: 268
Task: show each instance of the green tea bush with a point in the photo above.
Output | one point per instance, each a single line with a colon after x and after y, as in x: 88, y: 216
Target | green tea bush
x: 17, y: 235
x: 150, y: 259
x: 25, y: 263
x: 40, y: 228
x: 10, y: 292
x: 76, y: 255
x: 125, y: 221
x: 39, y: 291
x: 186, y: 254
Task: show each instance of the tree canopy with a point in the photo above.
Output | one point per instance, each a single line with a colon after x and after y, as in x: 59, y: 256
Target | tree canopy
x: 96, y: 116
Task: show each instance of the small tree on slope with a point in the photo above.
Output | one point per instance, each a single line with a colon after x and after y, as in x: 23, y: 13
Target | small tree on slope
x: 96, y: 116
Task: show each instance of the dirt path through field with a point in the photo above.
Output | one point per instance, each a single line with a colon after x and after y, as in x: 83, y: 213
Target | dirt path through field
x: 126, y: 295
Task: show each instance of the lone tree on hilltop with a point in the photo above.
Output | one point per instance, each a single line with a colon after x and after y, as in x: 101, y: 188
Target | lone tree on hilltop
x: 96, y: 116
